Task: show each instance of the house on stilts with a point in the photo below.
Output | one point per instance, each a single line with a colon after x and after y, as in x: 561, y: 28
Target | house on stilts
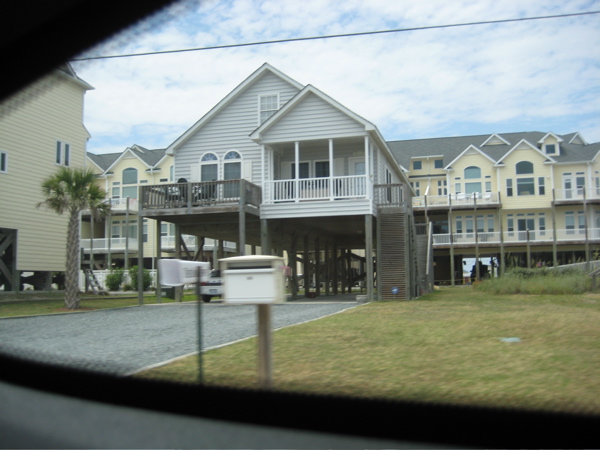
x: 282, y: 168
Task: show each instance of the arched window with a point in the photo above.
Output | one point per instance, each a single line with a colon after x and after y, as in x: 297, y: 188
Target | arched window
x: 209, y: 167
x: 524, y: 167
x: 232, y: 166
x: 130, y: 176
x: 472, y: 172
x: 232, y: 170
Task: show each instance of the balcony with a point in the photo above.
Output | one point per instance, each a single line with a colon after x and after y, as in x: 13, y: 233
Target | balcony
x: 315, y: 189
x: 116, y: 244
x: 576, y: 195
x: 515, y: 237
x: 120, y: 204
x: 466, y: 201
x: 199, y: 194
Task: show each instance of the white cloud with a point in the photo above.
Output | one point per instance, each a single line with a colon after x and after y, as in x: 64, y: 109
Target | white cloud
x: 410, y: 84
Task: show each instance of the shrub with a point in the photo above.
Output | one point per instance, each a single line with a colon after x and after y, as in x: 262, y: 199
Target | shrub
x: 538, y: 281
x: 133, y: 278
x: 114, y: 279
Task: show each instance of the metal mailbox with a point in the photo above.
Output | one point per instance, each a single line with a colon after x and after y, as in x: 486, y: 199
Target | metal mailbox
x: 176, y: 272
x: 256, y: 279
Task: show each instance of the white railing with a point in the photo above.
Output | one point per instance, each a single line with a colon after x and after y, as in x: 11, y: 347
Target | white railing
x: 167, y: 242
x: 101, y: 244
x: 510, y: 237
x: 120, y: 204
x: 577, y: 194
x: 476, y: 198
x: 307, y: 189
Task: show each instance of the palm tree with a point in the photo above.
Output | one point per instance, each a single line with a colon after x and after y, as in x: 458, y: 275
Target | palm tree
x: 72, y: 191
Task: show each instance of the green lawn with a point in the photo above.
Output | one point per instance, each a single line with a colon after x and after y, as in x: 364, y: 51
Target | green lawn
x: 445, y: 347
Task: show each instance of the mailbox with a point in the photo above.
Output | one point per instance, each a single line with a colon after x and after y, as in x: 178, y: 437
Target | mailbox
x: 255, y: 279
x: 176, y: 272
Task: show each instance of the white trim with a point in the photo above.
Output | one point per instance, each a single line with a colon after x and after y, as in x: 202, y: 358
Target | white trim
x: 464, y: 152
x: 524, y: 144
x: 497, y: 136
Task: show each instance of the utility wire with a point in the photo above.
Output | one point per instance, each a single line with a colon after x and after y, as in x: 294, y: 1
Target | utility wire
x: 313, y: 38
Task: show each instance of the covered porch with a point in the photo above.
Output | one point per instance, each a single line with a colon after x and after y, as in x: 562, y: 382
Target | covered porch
x: 316, y: 170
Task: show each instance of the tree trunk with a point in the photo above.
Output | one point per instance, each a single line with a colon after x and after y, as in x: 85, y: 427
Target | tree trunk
x: 72, y: 268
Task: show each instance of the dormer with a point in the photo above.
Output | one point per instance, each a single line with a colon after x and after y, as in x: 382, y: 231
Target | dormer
x: 495, y: 139
x: 550, y: 144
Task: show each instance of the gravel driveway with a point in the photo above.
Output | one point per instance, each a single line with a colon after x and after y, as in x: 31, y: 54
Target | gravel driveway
x: 121, y: 341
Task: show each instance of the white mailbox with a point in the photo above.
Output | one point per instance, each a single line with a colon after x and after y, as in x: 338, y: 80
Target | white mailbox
x: 255, y: 279
x: 176, y: 272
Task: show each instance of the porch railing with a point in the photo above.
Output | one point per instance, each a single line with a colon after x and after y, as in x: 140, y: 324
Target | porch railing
x: 577, y: 194
x: 389, y: 195
x: 116, y: 244
x: 476, y: 198
x: 192, y: 194
x: 510, y: 237
x: 307, y: 189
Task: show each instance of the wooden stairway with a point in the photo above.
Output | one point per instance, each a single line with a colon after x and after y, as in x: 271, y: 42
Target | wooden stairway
x: 93, y: 282
x: 398, y: 279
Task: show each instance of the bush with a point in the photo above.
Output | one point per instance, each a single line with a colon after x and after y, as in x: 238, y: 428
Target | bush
x: 133, y: 277
x: 538, y: 281
x: 114, y: 279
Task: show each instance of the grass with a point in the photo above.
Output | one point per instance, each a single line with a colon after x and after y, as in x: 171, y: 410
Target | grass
x: 444, y: 347
x: 54, y: 303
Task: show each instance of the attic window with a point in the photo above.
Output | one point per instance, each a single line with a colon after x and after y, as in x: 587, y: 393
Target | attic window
x: 550, y: 149
x: 268, y: 105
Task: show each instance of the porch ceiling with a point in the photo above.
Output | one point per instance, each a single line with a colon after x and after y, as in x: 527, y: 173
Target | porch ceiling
x: 339, y: 144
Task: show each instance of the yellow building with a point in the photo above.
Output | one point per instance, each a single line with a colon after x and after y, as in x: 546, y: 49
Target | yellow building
x: 526, y: 199
x: 41, y: 129
x: 115, y: 240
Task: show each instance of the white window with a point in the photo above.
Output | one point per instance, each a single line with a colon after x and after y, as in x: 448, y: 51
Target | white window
x: 3, y: 162
x: 209, y: 167
x: 268, y: 105
x: 63, y: 153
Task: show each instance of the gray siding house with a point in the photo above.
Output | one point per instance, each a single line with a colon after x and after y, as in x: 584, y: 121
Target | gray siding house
x: 286, y: 168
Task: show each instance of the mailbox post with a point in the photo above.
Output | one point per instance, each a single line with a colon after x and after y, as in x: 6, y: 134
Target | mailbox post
x: 176, y: 272
x: 256, y: 279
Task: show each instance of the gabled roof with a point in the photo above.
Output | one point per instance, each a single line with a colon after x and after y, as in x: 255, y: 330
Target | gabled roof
x: 309, y: 89
x: 451, y: 147
x: 108, y: 160
x: 265, y: 68
x: 495, y: 139
x: 558, y: 138
x: 527, y: 144
x: 469, y: 149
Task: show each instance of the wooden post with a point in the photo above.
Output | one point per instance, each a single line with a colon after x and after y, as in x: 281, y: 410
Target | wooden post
x: 178, y: 289
x: 306, y: 267
x: 317, y: 268
x: 158, y: 253
x: 369, y: 255
x: 265, y: 360
x: 140, y: 274
x: 242, y: 219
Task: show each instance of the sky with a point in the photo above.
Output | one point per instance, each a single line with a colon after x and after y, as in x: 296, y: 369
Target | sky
x: 540, y: 75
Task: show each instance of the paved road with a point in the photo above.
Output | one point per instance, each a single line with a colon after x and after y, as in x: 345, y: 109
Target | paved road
x: 121, y: 341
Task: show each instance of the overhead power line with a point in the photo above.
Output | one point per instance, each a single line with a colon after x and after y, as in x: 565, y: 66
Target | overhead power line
x: 332, y: 36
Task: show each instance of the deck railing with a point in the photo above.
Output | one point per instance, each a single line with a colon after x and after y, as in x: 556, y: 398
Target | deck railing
x: 192, y: 194
x: 389, y: 195
x: 577, y: 194
x: 511, y: 237
x: 309, y: 189
x: 476, y: 198
x: 116, y: 244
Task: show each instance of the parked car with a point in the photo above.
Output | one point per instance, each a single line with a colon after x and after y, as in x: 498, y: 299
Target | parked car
x: 212, y: 286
